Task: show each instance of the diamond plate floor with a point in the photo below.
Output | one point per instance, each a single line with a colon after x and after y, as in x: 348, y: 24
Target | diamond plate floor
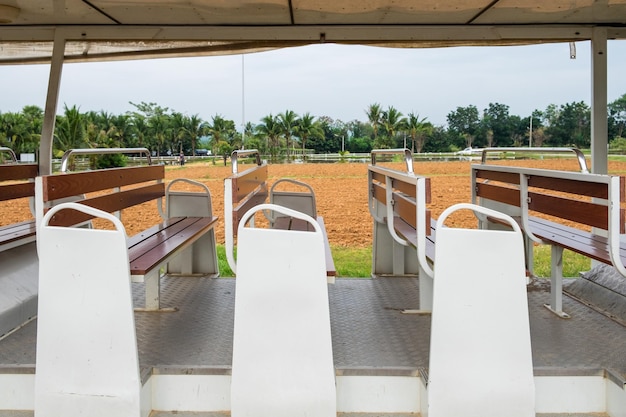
x: 370, y: 333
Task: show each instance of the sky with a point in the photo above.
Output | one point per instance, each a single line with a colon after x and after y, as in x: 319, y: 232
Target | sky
x: 327, y: 80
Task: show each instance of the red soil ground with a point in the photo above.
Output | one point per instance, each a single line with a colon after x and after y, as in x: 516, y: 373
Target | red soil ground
x: 341, y: 191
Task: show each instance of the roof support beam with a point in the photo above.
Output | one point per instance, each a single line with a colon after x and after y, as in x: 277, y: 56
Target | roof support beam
x: 49, y: 118
x: 477, y: 34
x: 599, y: 124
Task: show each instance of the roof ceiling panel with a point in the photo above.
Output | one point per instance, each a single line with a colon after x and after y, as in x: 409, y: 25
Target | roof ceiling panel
x: 555, y: 12
x: 386, y: 12
x: 55, y: 12
x: 196, y: 12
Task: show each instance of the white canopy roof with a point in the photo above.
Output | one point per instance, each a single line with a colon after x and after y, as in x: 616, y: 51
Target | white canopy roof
x: 122, y: 29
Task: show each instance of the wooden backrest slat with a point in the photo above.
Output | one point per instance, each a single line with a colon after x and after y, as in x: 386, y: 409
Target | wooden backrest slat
x: 12, y: 191
x: 405, y: 208
x: 498, y: 193
x: 578, y: 211
x: 77, y: 183
x: 18, y: 171
x: 110, y: 203
x: 378, y: 192
x: 405, y: 187
x: 507, y: 177
x: 590, y: 189
x: 404, y: 197
x: 248, y: 181
x: 377, y: 176
x: 258, y: 196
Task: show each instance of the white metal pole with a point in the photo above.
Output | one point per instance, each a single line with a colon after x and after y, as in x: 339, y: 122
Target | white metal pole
x: 52, y: 98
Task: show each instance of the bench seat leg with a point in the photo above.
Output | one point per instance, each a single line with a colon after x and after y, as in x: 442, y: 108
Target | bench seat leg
x: 200, y: 259
x: 152, y: 282
x: 556, y: 282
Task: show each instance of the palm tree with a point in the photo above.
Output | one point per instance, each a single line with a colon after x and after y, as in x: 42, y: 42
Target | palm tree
x: 159, y: 125
x: 308, y: 127
x: 193, y: 129
x: 288, y: 122
x: 374, y: 115
x: 70, y: 130
x: 418, y: 129
x: 14, y: 131
x: 392, y: 122
x: 220, y: 130
x: 271, y: 129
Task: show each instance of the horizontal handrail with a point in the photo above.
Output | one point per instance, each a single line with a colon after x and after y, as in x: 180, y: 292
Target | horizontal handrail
x: 243, y: 152
x: 101, y: 151
x: 408, y: 156
x: 577, y: 152
x: 10, y: 152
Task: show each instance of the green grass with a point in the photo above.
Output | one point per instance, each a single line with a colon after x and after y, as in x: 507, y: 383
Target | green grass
x: 357, y: 262
x: 349, y: 262
x: 573, y: 263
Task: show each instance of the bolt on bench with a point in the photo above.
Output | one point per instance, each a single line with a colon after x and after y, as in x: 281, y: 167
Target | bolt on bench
x: 245, y: 190
x: 184, y: 240
x: 577, y: 211
x: 404, y: 231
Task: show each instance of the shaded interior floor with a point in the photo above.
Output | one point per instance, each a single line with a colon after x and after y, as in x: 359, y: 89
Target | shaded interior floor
x: 371, y: 335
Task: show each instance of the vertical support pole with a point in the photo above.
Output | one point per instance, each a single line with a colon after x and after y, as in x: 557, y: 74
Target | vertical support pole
x: 556, y: 282
x: 49, y: 118
x: 153, y: 290
x: 599, y: 124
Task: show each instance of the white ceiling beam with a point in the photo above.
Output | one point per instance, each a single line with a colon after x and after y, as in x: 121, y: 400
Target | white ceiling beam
x: 331, y: 33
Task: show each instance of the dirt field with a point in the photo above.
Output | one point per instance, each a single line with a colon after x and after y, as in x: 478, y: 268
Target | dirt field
x: 341, y: 192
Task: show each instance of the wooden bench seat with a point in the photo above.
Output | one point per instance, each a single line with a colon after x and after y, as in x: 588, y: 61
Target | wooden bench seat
x: 408, y: 232
x: 577, y: 211
x: 176, y: 238
x: 405, y: 245
x: 152, y: 247
x: 247, y: 189
x: 20, y: 184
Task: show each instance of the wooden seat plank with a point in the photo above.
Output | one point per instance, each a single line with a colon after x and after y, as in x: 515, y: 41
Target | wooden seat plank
x: 141, y: 242
x: 174, y: 242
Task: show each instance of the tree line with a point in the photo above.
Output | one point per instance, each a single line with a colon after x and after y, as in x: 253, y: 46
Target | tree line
x: 166, y: 131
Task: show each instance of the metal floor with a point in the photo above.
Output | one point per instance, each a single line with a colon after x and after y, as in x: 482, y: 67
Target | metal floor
x: 371, y: 335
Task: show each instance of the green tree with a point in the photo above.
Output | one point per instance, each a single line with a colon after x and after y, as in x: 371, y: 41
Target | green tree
x: 220, y: 130
x: 306, y: 128
x: 418, y: 129
x: 70, y: 130
x: 391, y: 122
x: 288, y: 123
x: 374, y: 116
x: 569, y: 124
x: 270, y: 129
x: 497, y: 125
x: 463, y: 125
x: 617, y: 116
